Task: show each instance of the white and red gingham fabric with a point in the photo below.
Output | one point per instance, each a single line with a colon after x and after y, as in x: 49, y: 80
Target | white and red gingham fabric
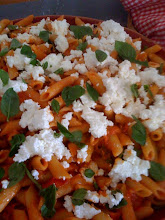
x: 148, y: 18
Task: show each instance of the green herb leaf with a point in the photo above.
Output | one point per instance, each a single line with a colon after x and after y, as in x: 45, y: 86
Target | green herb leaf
x: 64, y: 131
x: 49, y: 194
x: 45, y: 65
x: 16, y: 173
x: 77, y: 136
x: 95, y: 186
x: 24, y: 81
x: 4, y: 51
x: 100, y: 55
x: 160, y: 69
x: 82, y: 46
x: 35, y: 62
x: 138, y: 132
x: 15, y: 142
x: 10, y: 103
x: 4, y: 76
x: 121, y: 204
x: 115, y: 191
x: 55, y: 106
x: 127, y: 52
x: 27, y: 51
x: 70, y: 94
x: 138, y: 151
x: 31, y: 178
x: 89, y: 173
x: 2, y: 173
x: 60, y: 71
x: 78, y: 197
x: 147, y: 89
x: 134, y: 90
x: 92, y: 92
x: 57, y: 135
x: 157, y: 171
x: 13, y: 27
x: 81, y: 31
x: 80, y: 145
x: 15, y: 44
x: 44, y: 35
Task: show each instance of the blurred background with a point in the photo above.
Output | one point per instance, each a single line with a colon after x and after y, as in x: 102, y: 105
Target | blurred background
x: 100, y: 9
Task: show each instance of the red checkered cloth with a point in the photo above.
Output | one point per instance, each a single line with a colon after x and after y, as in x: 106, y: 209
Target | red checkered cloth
x: 148, y: 18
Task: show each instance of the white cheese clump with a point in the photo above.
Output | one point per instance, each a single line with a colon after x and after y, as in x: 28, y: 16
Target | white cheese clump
x: 5, y: 184
x: 132, y: 166
x: 35, y: 30
x: 61, y: 43
x: 111, y: 199
x: 35, y: 174
x: 66, y: 118
x: 81, y: 68
x: 82, y: 153
x: 4, y: 37
x: 151, y: 75
x: 60, y: 27
x: 18, y: 60
x: 43, y: 144
x: 92, y: 196
x: 83, y: 211
x: 25, y: 37
x: 143, y: 94
x: 138, y: 45
x: 17, y: 85
x: 34, y: 117
x: 65, y: 164
x: 154, y: 116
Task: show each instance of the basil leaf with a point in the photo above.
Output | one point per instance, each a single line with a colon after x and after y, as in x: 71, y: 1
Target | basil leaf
x: 10, y: 103
x: 15, y: 142
x: 27, y: 51
x: 55, y: 106
x: 127, y: 52
x: 138, y: 132
x: 16, y: 173
x: 157, y: 171
x: 4, y: 51
x: 15, y: 44
x: 82, y: 46
x: 92, y: 92
x: 70, y: 94
x: 44, y: 35
x: 89, y: 173
x: 80, y: 145
x: 100, y: 55
x: 64, y: 131
x: 115, y: 191
x: 160, y: 69
x: 77, y: 136
x: 134, y: 90
x: 24, y: 81
x: 138, y: 151
x: 31, y: 177
x: 147, y: 89
x: 45, y: 65
x: 81, y: 31
x: 4, y: 76
x: 121, y: 204
x: 13, y: 27
x: 35, y: 62
x: 49, y: 194
x: 57, y: 135
x: 60, y: 71
x: 95, y: 186
x: 2, y: 173
x: 78, y: 197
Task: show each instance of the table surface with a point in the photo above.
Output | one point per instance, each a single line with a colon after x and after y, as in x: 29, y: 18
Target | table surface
x: 101, y: 9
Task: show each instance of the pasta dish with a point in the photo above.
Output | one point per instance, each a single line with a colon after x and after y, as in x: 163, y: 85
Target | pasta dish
x: 82, y: 122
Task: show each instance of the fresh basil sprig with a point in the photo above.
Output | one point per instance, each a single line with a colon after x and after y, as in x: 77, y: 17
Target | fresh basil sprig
x: 138, y: 132
x: 100, y: 55
x: 89, y: 173
x: 78, y: 197
x: 147, y: 89
x: 49, y: 194
x: 4, y: 76
x: 127, y: 52
x: 82, y: 46
x: 13, y: 27
x: 55, y: 106
x: 92, y: 92
x: 81, y: 31
x: 10, y: 103
x: 27, y: 51
x: 4, y: 51
x: 60, y: 71
x: 2, y: 172
x: 16, y: 173
x: 15, y: 142
x: 134, y: 90
x: 44, y: 35
x: 70, y: 94
x: 15, y: 44
x: 157, y: 171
